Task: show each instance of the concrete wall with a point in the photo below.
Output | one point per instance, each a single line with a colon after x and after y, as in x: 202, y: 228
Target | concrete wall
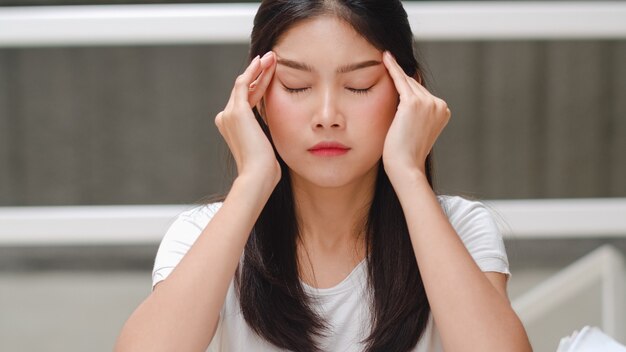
x: 134, y: 125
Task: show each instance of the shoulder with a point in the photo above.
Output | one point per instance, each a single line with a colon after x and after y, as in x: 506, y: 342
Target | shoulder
x: 475, y: 223
x: 188, y: 225
x: 199, y: 215
x: 455, y: 204
x: 180, y: 236
x: 462, y: 212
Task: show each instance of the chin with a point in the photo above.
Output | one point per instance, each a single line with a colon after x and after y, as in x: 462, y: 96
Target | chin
x: 319, y: 179
x: 329, y: 177
x: 330, y: 182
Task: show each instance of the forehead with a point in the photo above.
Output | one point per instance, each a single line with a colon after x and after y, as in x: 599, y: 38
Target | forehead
x: 322, y: 36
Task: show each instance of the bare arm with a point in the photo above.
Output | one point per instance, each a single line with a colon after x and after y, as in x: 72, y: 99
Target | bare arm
x: 471, y: 308
x: 182, y: 312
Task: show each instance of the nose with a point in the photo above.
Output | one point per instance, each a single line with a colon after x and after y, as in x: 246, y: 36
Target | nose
x: 328, y: 114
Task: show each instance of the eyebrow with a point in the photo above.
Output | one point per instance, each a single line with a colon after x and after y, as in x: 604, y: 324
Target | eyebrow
x: 343, y: 69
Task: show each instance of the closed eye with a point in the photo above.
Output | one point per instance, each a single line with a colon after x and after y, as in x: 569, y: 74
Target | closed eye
x: 295, y: 90
x: 359, y: 91
x: 301, y: 90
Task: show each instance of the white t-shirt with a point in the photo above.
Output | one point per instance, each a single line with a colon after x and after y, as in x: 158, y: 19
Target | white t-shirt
x: 344, y: 306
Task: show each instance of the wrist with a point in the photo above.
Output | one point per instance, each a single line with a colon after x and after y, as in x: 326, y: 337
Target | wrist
x: 410, y: 184
x: 259, y: 185
x: 403, y: 173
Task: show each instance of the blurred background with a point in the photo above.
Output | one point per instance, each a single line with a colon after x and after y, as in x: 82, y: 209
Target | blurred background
x: 107, y: 133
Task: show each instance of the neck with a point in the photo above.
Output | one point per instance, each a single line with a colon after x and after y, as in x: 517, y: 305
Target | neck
x: 332, y: 219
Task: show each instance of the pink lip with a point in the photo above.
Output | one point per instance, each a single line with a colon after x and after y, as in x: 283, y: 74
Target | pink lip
x: 329, y: 149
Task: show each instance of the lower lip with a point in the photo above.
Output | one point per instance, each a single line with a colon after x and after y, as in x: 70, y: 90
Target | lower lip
x: 329, y: 151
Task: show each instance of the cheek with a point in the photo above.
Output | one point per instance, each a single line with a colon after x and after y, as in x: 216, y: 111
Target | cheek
x: 380, y: 105
x: 281, y: 114
x: 388, y: 103
x: 276, y: 105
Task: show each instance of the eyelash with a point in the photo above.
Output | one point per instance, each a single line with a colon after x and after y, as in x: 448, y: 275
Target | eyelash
x: 359, y: 91
x: 353, y: 90
x: 295, y: 90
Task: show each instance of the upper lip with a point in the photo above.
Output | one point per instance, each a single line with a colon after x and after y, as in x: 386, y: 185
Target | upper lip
x: 328, y: 145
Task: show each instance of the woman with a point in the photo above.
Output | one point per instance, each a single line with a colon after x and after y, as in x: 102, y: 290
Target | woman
x: 331, y: 237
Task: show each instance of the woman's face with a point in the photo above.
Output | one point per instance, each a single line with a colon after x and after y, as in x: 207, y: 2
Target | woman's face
x: 330, y: 86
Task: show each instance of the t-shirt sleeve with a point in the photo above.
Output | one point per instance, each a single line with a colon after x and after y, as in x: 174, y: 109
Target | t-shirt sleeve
x: 180, y: 236
x: 475, y: 225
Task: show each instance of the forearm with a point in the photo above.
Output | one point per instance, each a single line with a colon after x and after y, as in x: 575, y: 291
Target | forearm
x: 470, y: 313
x: 182, y: 312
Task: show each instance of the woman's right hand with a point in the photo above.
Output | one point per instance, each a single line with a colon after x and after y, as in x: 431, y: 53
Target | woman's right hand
x: 251, y: 149
x: 189, y: 294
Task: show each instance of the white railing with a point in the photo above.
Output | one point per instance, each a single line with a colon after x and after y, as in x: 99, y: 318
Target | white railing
x: 604, y: 266
x: 80, y: 225
x: 523, y: 219
x: 231, y: 23
x: 562, y: 218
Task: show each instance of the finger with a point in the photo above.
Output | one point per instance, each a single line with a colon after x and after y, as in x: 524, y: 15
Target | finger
x: 258, y: 87
x: 414, y: 86
x: 242, y: 83
x: 397, y: 75
x: 218, y: 120
x: 418, y: 89
x: 421, y: 90
x: 266, y: 61
x: 419, y: 85
x: 252, y: 63
x: 233, y: 91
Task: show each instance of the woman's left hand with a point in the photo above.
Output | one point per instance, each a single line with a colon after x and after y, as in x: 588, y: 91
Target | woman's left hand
x: 419, y: 120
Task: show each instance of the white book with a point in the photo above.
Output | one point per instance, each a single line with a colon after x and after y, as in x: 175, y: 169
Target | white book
x: 589, y: 339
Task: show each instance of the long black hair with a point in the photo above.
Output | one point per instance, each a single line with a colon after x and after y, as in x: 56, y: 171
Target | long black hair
x: 272, y: 299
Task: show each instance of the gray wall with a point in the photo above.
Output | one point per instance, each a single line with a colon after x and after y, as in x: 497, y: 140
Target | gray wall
x: 533, y: 119
x: 134, y: 125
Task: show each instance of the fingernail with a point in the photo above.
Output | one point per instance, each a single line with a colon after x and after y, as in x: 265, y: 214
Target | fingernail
x: 256, y: 58
x: 266, y: 54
